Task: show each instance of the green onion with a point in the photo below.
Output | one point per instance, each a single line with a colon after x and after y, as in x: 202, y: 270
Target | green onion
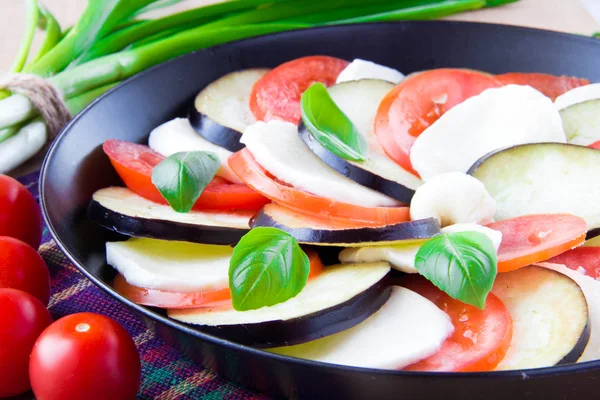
x: 119, y: 40
x: 155, y: 6
x: 99, y: 17
x: 119, y: 66
x: 78, y: 103
x: 49, y: 24
x: 33, y: 14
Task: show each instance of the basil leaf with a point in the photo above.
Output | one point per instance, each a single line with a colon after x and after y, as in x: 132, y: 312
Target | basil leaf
x: 330, y: 126
x: 462, y: 264
x: 182, y: 177
x: 267, y: 267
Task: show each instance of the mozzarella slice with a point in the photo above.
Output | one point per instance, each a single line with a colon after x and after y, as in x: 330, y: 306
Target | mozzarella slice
x: 578, y: 95
x: 277, y: 147
x: 362, y: 69
x: 496, y: 118
x: 402, y: 256
x: 178, y: 136
x: 408, y: 328
x: 453, y: 198
x: 591, y: 290
x: 171, y: 266
x: 19, y: 148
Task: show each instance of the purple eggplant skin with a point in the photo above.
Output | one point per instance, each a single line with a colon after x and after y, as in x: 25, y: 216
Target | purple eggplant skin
x: 217, y: 134
x: 162, y: 229
x: 579, y: 347
x: 355, y: 173
x: 308, y: 327
x: 411, y: 230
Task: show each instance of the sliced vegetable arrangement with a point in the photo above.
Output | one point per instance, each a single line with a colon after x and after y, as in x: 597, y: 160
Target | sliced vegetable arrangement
x: 455, y: 200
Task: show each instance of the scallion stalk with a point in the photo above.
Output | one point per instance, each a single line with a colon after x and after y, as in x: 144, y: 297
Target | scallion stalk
x: 78, y: 103
x: 33, y: 15
x: 50, y: 25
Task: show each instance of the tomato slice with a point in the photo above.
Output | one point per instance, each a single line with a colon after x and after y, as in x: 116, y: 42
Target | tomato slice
x: 534, y: 238
x: 417, y: 102
x: 134, y: 164
x: 584, y: 259
x: 277, y: 94
x: 253, y: 174
x: 177, y: 300
x: 595, y: 145
x: 550, y: 85
x: 480, y: 339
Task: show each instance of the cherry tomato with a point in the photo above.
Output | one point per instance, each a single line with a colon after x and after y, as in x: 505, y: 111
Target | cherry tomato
x: 480, y: 339
x: 174, y: 300
x: 85, y: 356
x: 550, y: 85
x: 255, y: 176
x: 20, y: 216
x: 24, y: 317
x: 534, y: 238
x: 21, y: 267
x: 417, y: 102
x: 134, y: 164
x: 581, y: 258
x: 277, y: 94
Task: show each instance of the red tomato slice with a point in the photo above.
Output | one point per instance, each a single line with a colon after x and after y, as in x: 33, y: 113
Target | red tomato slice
x: 417, y: 102
x: 587, y: 258
x: 177, y: 300
x: 550, y: 85
x: 255, y: 176
x: 595, y: 145
x: 277, y: 94
x: 534, y: 238
x: 481, y: 337
x: 134, y: 164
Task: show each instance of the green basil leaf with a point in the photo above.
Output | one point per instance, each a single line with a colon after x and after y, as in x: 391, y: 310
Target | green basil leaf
x: 267, y: 267
x: 462, y: 264
x: 182, y: 177
x: 330, y: 126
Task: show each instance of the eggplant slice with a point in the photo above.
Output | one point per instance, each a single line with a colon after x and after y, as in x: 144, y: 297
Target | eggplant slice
x: 222, y: 110
x: 405, y: 330
x: 121, y: 210
x: 359, y: 100
x: 543, y: 178
x: 550, y: 318
x: 341, y: 297
x: 310, y: 230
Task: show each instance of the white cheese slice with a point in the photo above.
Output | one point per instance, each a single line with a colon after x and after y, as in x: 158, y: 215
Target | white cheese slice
x: 277, y: 147
x: 578, y: 95
x: 178, y: 136
x: 407, y: 329
x: 494, y: 119
x: 591, y: 290
x: 171, y: 266
x: 362, y: 69
x: 453, y: 198
x: 402, y: 256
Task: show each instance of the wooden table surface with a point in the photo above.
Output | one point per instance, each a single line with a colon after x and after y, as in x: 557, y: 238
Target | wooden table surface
x: 560, y: 15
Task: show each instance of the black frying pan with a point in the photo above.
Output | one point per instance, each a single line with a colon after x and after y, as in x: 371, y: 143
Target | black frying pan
x: 76, y: 167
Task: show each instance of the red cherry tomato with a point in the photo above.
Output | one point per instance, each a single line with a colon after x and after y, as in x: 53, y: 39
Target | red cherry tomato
x: 23, y: 319
x: 595, y: 145
x: 134, y: 164
x: 550, y: 85
x: 20, y: 216
x: 480, y: 339
x: 277, y: 94
x: 419, y: 101
x: 21, y: 267
x: 85, y: 356
x: 529, y: 239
